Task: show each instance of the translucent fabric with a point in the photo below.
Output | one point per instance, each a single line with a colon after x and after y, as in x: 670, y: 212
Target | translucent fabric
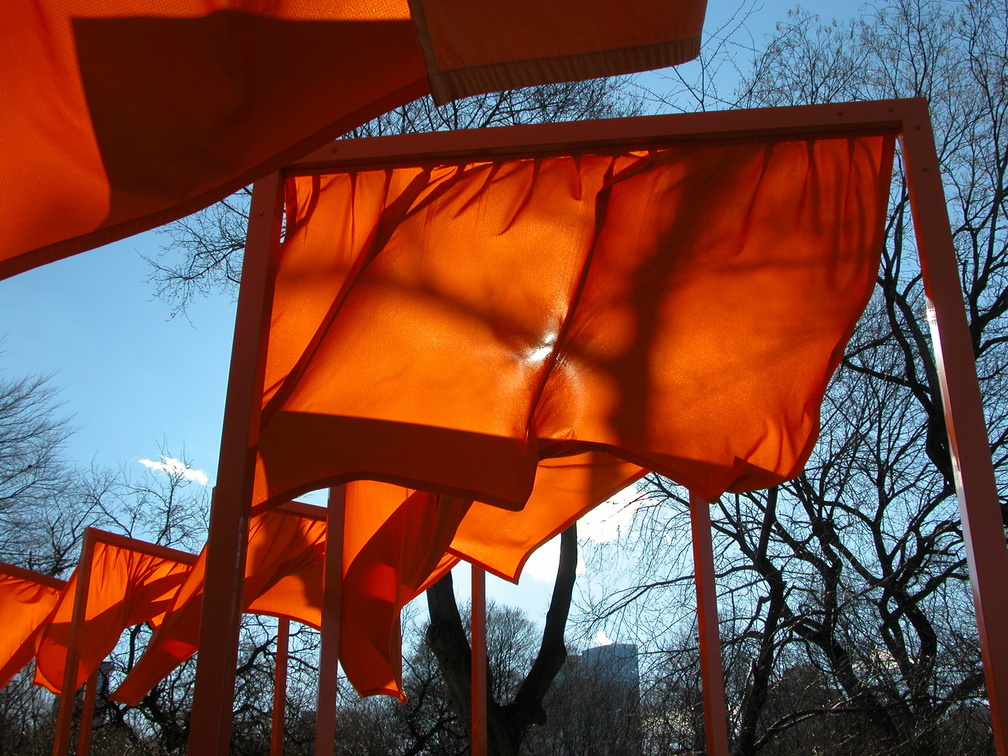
x: 120, y: 115
x: 127, y: 586
x: 393, y: 548
x: 27, y: 601
x: 501, y: 540
x: 283, y: 567
x: 448, y: 327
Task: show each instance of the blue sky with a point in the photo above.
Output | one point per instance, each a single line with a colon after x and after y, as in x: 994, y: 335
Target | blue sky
x: 135, y: 379
x: 131, y: 377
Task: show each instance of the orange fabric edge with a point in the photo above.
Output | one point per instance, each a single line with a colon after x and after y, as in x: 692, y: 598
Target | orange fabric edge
x: 446, y: 86
x: 520, y: 564
x: 401, y: 481
x: 552, y: 451
x: 107, y: 234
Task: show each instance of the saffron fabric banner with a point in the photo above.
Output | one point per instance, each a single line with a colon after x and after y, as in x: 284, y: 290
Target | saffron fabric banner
x: 120, y: 115
x: 127, y: 586
x: 285, y: 553
x: 448, y: 326
x: 393, y: 547
x: 27, y: 601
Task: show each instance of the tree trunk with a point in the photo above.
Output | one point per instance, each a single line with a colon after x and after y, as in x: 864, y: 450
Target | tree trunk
x: 507, y: 722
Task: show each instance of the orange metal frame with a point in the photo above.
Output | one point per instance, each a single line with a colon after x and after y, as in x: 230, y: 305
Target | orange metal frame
x: 979, y: 506
x: 280, y: 687
x: 711, y: 668
x: 478, y: 664
x: 29, y: 575
x: 332, y: 603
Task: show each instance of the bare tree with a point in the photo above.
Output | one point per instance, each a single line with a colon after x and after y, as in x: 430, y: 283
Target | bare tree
x: 433, y: 720
x: 45, y: 506
x: 33, y: 473
x: 847, y: 617
x: 511, y: 711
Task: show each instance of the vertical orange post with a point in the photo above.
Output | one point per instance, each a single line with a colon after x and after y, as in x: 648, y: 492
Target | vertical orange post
x: 210, y: 728
x: 979, y: 506
x: 64, y: 720
x: 479, y: 663
x: 711, y: 670
x: 332, y: 606
x: 280, y: 687
x: 87, y: 716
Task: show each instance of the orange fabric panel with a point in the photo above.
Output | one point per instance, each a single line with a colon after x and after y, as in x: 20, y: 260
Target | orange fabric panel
x: 283, y: 569
x: 526, y: 42
x: 394, y: 542
x: 501, y: 540
x: 283, y: 572
x: 26, y: 605
x: 394, y: 546
x: 121, y: 115
x: 446, y: 327
x: 126, y: 587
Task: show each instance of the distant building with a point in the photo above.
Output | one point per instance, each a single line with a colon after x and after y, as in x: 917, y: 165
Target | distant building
x: 617, y: 665
x: 608, y: 689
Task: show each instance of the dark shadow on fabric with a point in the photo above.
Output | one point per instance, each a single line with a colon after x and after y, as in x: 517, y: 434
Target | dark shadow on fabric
x: 207, y: 93
x: 399, y: 453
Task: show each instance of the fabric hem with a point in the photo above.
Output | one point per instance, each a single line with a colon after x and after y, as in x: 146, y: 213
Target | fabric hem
x: 454, y: 84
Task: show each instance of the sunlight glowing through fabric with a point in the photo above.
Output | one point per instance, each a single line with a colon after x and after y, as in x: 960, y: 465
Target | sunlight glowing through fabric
x: 27, y: 602
x: 126, y: 587
x: 695, y: 301
x: 391, y: 553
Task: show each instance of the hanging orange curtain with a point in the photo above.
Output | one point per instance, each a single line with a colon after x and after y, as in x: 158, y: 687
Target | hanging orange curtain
x: 393, y: 548
x: 398, y: 542
x: 127, y: 586
x: 120, y: 115
x: 284, y: 553
x: 27, y: 601
x: 448, y: 326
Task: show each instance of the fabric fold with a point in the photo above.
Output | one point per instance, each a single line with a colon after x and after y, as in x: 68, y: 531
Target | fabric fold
x: 395, y: 544
x: 283, y: 566
x: 679, y: 309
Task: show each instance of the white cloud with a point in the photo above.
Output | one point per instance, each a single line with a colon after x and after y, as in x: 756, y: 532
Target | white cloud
x: 545, y: 560
x: 604, y: 523
x: 601, y: 639
x: 172, y: 466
